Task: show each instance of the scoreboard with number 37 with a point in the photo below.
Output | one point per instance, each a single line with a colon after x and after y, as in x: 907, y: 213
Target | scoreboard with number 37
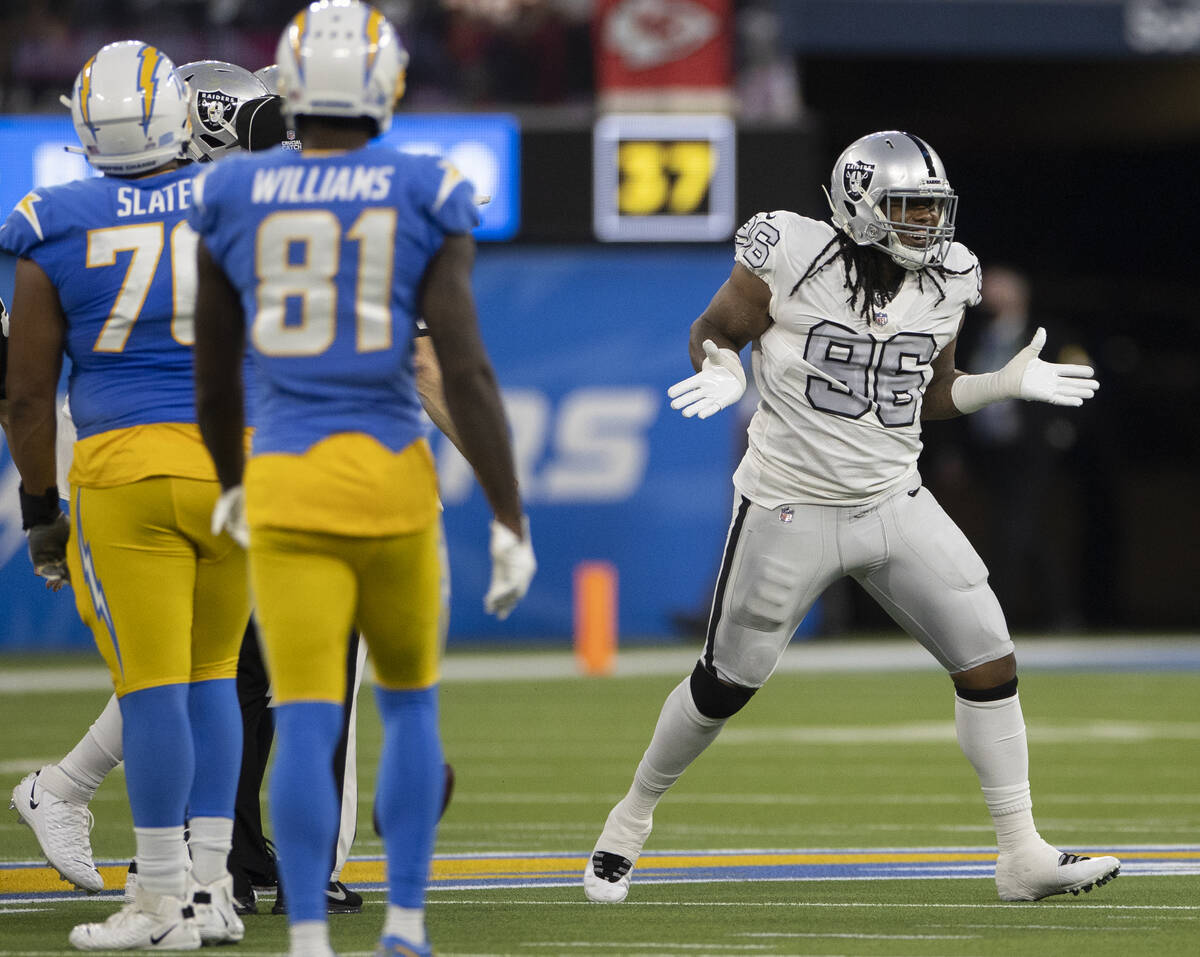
x: 663, y: 178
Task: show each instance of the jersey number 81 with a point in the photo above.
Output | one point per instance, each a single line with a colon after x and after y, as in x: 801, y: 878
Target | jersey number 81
x: 298, y: 255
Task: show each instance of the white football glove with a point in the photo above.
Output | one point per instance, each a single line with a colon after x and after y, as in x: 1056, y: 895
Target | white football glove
x: 1025, y: 376
x: 720, y: 382
x: 229, y: 515
x: 513, y: 566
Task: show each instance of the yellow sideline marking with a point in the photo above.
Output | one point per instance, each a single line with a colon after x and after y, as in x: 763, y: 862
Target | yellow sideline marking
x: 496, y: 867
x: 44, y: 879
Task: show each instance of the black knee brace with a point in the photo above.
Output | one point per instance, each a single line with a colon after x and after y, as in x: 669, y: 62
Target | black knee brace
x: 998, y: 693
x: 713, y: 698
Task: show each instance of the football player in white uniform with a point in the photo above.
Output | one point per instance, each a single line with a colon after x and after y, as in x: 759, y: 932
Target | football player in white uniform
x: 852, y: 326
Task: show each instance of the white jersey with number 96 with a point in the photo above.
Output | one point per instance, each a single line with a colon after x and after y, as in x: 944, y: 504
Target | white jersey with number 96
x: 840, y: 416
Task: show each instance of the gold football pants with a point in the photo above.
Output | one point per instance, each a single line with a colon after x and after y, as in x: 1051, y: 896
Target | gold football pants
x: 311, y: 587
x: 166, y: 600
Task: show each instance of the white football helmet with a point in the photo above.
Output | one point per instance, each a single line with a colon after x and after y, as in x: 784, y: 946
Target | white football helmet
x: 340, y: 58
x: 216, y: 91
x: 129, y: 108
x: 890, y: 190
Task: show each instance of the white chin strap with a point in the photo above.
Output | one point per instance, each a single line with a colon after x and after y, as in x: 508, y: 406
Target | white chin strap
x: 900, y: 254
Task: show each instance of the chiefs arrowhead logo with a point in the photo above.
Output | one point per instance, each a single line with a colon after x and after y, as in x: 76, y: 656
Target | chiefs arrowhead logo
x: 649, y: 33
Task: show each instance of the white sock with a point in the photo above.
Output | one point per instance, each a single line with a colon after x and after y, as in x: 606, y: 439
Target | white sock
x: 79, y: 773
x: 309, y: 937
x: 210, y: 839
x: 681, y: 735
x: 406, y: 922
x: 162, y: 860
x: 992, y: 736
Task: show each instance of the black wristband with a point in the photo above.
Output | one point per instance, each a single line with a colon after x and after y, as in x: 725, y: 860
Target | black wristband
x: 38, y: 509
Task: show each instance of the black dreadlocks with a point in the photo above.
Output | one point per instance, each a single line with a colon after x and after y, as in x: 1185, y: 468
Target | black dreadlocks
x: 867, y: 276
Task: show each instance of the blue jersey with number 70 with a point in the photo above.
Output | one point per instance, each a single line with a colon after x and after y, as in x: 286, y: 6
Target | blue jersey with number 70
x: 122, y: 257
x: 327, y: 252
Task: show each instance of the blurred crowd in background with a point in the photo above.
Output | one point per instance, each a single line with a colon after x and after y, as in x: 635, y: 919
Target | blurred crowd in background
x: 465, y: 54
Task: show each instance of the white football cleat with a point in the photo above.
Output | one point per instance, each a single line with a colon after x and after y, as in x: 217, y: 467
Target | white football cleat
x: 61, y: 828
x: 216, y: 915
x: 1039, y: 870
x: 152, y: 922
x: 607, y: 874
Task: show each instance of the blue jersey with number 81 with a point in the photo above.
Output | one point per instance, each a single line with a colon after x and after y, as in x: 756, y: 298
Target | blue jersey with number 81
x: 327, y: 252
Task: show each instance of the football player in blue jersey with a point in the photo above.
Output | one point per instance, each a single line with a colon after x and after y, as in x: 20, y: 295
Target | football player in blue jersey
x: 322, y: 260
x: 3, y: 366
x: 60, y: 820
x: 230, y: 110
x: 106, y: 276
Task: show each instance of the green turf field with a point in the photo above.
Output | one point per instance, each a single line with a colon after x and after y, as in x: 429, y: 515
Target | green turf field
x: 834, y: 762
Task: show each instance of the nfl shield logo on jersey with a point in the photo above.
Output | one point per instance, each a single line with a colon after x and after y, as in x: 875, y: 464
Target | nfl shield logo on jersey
x: 879, y: 318
x: 786, y: 514
x: 856, y: 178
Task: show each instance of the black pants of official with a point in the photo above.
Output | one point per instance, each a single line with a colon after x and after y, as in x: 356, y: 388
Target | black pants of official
x: 250, y: 860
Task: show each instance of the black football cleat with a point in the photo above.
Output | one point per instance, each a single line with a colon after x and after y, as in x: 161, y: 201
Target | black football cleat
x: 339, y: 899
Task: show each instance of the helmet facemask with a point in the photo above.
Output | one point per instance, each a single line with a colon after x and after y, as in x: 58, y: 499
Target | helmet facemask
x: 889, y: 190
x: 920, y: 225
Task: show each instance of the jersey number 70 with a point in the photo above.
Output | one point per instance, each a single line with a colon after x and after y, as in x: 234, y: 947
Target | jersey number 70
x: 145, y: 242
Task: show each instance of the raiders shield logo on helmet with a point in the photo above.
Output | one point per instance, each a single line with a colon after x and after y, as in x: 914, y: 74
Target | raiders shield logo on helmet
x: 856, y: 178
x: 215, y: 109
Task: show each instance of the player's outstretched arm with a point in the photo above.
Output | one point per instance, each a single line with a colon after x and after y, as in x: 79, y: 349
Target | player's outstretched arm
x: 220, y: 342
x: 738, y: 313
x: 477, y: 414
x: 37, y: 328
x: 936, y: 403
x: 1024, y: 376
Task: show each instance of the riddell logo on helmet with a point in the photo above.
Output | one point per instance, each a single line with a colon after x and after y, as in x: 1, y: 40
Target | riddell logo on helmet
x: 856, y: 178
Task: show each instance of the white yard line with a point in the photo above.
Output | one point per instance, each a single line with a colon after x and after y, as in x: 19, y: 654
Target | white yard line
x: 1142, y: 653
x: 998, y: 905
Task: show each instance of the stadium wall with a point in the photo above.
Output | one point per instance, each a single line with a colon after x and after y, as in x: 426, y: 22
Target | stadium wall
x: 585, y: 341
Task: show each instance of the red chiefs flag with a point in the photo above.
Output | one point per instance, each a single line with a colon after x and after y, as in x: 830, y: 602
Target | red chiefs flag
x: 664, y: 54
